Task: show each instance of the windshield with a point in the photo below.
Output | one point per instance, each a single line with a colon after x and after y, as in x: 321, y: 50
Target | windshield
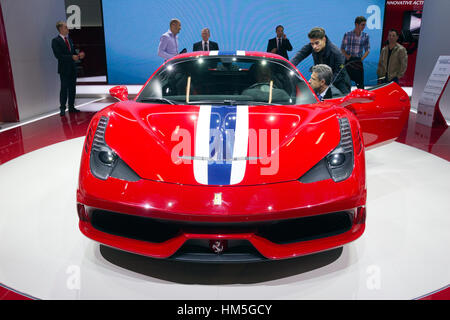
x: 227, y: 80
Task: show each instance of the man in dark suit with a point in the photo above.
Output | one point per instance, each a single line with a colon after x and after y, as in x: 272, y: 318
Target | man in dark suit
x: 320, y: 82
x: 205, y: 44
x: 65, y: 52
x: 280, y: 44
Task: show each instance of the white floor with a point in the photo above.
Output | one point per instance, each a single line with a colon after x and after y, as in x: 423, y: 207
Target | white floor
x: 403, y: 254
x: 91, y: 79
x: 83, y: 104
x: 100, y: 90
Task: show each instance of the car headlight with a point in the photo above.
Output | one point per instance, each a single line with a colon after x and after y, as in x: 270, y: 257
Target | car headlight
x: 338, y: 164
x: 104, y: 162
x: 107, y: 157
x: 340, y: 160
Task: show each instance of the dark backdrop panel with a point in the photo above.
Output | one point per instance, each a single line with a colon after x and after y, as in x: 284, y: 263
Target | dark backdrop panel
x: 90, y: 40
x: 405, y: 17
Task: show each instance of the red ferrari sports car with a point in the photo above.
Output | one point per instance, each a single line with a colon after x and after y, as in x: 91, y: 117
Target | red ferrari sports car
x: 231, y: 157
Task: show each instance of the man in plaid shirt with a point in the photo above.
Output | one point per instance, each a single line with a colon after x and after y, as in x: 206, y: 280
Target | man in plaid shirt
x: 355, y: 47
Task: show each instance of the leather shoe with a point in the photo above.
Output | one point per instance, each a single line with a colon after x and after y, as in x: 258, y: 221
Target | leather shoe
x: 62, y: 112
x: 73, y: 110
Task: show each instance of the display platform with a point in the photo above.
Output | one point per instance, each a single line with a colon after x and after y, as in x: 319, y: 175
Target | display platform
x: 403, y: 253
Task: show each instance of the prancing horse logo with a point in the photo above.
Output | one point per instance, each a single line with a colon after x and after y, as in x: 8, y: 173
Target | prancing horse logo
x: 217, y: 246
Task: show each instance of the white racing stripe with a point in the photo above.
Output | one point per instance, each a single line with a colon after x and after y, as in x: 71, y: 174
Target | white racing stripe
x: 202, y: 145
x: 240, y: 145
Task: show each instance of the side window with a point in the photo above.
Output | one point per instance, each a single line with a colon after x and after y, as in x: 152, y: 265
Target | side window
x: 281, y: 80
x: 302, y: 93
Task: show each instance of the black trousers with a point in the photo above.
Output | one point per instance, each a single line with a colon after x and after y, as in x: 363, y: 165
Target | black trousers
x: 68, y: 90
x: 355, y: 70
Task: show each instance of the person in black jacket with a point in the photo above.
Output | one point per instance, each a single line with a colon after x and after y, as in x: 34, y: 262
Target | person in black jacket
x: 325, y: 52
x: 280, y: 44
x: 65, y: 52
x: 205, y: 44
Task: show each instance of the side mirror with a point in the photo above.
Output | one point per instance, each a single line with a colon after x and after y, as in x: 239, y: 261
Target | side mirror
x: 358, y: 96
x: 119, y: 92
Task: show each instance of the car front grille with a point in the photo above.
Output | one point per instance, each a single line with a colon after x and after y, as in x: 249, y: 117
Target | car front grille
x: 279, y: 231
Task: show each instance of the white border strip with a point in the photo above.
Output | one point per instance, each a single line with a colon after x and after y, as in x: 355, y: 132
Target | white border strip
x: 45, y: 116
x: 202, y: 144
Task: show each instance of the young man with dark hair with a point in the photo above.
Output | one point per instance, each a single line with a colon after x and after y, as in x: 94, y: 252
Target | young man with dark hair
x: 280, y: 44
x: 355, y: 47
x: 325, y: 52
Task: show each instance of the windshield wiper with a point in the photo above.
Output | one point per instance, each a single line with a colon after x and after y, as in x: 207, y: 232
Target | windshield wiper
x: 259, y: 103
x: 233, y: 102
x: 154, y: 99
x: 225, y: 102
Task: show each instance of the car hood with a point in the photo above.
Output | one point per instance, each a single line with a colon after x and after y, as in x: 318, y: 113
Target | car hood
x: 221, y: 145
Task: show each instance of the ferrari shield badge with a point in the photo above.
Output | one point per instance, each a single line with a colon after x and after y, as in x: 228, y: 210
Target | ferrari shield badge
x: 217, y: 199
x: 218, y: 246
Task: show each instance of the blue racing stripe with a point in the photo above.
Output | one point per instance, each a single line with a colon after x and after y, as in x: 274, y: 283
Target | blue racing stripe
x: 221, y: 144
x: 227, y: 53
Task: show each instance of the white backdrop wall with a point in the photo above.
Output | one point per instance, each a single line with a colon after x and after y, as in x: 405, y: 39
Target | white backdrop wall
x: 30, y: 27
x: 434, y: 42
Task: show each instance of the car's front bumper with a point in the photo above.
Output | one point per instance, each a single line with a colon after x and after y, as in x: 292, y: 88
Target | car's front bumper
x: 245, y: 217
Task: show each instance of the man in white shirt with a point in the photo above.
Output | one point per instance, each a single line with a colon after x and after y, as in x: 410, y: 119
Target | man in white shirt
x: 205, y: 44
x: 168, y: 43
